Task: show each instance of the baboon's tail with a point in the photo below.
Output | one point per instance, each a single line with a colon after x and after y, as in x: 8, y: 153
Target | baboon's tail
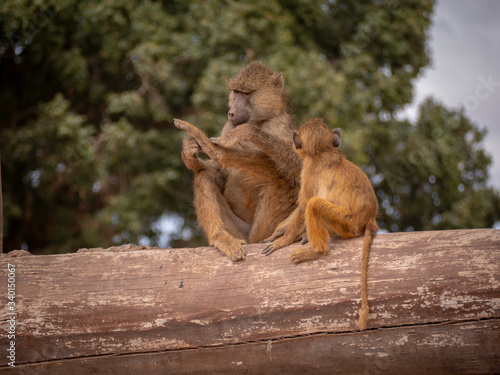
x: 370, y: 231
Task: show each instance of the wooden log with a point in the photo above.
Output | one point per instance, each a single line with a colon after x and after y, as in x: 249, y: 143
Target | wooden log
x: 434, y: 308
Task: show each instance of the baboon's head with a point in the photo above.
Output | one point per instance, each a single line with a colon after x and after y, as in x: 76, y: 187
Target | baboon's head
x: 257, y: 94
x: 315, y: 137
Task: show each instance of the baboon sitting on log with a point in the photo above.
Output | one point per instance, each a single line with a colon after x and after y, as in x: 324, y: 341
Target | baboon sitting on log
x: 236, y: 204
x: 336, y: 197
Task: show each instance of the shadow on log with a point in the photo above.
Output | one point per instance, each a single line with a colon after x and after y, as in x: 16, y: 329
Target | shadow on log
x: 434, y: 308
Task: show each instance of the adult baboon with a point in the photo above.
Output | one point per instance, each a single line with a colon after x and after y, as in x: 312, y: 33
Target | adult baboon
x: 233, y: 205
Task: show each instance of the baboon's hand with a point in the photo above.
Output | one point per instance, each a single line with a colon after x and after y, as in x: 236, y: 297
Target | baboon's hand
x: 189, y: 155
x: 277, y: 233
x: 275, y: 245
x: 269, y: 249
x: 216, y: 141
x: 190, y: 147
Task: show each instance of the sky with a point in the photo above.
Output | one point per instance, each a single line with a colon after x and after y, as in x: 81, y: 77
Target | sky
x: 465, y: 70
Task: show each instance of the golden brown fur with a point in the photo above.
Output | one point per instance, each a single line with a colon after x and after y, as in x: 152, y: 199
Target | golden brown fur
x: 335, y: 197
x: 251, y: 183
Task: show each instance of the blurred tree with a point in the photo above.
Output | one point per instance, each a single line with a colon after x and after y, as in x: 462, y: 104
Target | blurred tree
x: 434, y: 174
x: 90, y: 156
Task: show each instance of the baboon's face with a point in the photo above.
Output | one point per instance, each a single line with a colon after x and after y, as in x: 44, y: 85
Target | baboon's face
x: 239, y: 108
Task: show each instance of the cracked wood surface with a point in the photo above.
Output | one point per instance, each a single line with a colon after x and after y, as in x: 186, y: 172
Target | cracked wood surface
x: 435, y: 295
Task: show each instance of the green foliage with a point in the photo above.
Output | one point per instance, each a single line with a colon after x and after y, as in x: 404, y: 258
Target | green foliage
x: 436, y: 175
x: 90, y: 156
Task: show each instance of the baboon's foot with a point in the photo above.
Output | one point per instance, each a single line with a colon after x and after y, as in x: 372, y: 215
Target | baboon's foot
x: 184, y: 125
x: 232, y: 247
x: 305, y: 253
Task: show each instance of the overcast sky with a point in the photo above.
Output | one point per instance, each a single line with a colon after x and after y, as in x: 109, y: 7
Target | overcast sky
x: 465, y: 68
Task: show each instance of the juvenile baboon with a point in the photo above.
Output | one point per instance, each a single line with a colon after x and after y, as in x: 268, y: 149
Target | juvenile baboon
x: 234, y: 204
x: 335, y: 197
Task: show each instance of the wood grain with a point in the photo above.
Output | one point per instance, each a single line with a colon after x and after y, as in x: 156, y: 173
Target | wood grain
x: 176, y: 306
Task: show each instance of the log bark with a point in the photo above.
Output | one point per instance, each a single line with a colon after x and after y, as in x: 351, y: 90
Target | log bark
x: 434, y: 308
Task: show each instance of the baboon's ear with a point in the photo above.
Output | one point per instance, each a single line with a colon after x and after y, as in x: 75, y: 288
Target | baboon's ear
x: 279, y: 81
x: 296, y: 141
x: 337, y: 137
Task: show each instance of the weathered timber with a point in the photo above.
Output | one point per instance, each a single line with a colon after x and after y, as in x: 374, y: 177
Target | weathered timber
x: 434, y: 308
